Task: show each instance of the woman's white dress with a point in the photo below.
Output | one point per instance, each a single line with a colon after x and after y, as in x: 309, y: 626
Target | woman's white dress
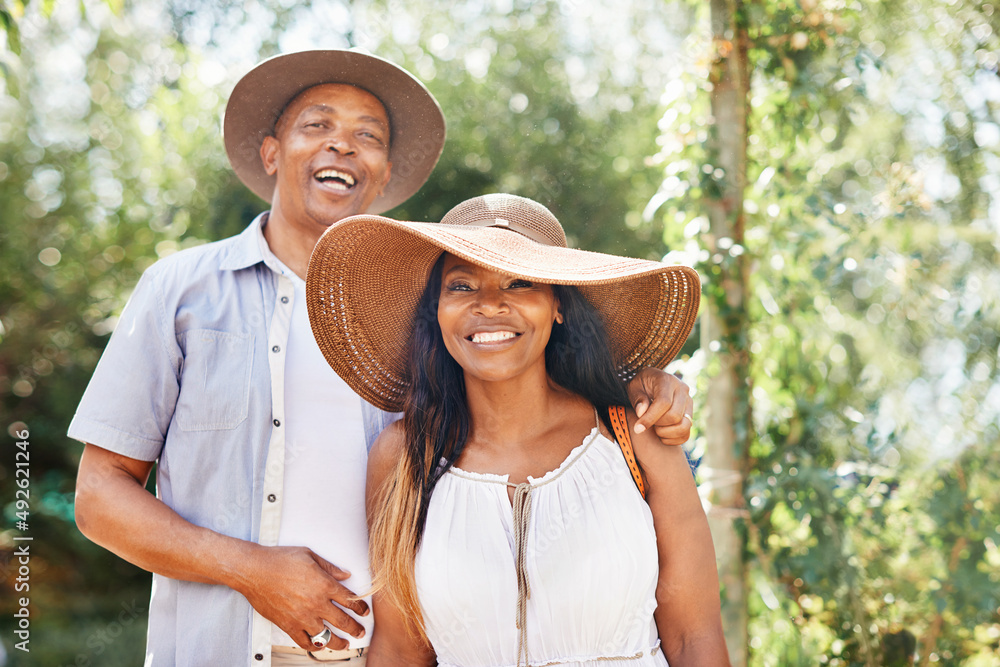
x: 589, y: 562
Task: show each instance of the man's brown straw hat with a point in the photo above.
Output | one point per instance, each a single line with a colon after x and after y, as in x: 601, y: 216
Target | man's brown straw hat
x: 416, y: 123
x: 367, y: 273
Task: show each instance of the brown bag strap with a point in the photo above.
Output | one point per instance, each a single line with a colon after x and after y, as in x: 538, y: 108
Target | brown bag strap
x: 619, y: 423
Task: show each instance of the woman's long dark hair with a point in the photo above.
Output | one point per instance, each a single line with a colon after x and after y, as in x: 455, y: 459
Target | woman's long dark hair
x: 436, y: 423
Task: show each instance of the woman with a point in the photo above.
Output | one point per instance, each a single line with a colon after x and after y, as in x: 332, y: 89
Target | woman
x: 506, y: 525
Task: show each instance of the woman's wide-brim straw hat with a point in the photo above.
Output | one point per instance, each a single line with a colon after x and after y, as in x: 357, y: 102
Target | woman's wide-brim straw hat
x: 367, y: 274
x: 416, y: 124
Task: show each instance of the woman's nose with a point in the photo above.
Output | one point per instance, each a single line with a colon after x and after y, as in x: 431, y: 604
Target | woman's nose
x: 491, y: 302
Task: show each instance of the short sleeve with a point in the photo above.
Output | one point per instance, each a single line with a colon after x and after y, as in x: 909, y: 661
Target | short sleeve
x: 130, y: 400
x: 376, y: 421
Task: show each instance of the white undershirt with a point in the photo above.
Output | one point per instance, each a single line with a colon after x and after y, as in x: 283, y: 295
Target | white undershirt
x: 325, y: 463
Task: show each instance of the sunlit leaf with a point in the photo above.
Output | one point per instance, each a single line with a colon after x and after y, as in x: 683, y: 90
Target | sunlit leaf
x: 12, y: 31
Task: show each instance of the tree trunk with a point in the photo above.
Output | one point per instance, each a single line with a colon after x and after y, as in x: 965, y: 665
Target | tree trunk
x: 724, y: 321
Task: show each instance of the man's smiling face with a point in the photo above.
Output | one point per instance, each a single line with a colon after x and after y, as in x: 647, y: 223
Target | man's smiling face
x: 330, y: 154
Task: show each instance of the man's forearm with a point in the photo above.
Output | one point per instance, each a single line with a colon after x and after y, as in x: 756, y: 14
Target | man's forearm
x: 290, y: 586
x: 114, y: 510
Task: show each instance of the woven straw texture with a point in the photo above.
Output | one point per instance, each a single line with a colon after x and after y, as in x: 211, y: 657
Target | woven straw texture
x: 367, y: 273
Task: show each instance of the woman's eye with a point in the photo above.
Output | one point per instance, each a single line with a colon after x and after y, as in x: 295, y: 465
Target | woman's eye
x: 459, y: 287
x: 520, y: 284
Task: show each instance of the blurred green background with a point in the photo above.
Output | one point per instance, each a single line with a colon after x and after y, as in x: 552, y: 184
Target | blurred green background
x: 864, y: 263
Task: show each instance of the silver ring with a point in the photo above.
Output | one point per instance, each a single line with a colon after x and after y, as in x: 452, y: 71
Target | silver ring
x: 322, y: 639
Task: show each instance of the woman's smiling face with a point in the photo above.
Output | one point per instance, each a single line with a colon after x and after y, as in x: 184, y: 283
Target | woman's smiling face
x: 494, y: 325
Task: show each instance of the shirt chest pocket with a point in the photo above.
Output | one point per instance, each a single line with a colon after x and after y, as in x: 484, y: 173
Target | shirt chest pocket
x: 215, y: 380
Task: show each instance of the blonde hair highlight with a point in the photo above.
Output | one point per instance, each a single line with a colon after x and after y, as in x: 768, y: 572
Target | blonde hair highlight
x: 394, y: 534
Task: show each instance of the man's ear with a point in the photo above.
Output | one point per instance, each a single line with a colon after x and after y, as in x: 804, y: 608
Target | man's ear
x: 269, y: 155
x: 385, y: 181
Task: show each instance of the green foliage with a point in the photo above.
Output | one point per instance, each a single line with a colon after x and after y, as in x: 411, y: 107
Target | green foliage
x: 11, y: 29
x: 11, y: 16
x: 521, y: 121
x: 872, y: 235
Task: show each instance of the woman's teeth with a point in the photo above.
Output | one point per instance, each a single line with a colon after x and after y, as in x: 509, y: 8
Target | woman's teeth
x: 492, y: 336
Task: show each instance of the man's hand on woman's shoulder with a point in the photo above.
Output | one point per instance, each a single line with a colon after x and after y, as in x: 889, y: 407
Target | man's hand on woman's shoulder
x: 662, y: 401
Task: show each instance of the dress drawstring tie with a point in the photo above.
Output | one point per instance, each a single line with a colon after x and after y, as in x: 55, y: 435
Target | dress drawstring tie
x: 522, y: 517
x: 522, y: 514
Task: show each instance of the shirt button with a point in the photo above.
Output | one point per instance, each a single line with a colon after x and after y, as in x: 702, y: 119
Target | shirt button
x: 271, y: 497
x: 259, y: 656
x: 276, y: 348
x: 284, y: 299
x: 277, y: 423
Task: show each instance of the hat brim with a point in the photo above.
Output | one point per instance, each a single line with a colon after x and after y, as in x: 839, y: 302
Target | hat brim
x: 417, y: 126
x: 367, y: 274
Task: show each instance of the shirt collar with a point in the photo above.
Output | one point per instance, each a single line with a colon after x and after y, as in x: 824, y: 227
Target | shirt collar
x: 245, y: 250
x: 271, y: 260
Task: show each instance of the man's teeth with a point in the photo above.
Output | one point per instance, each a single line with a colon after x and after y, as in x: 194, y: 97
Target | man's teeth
x: 333, y: 173
x: 492, y: 337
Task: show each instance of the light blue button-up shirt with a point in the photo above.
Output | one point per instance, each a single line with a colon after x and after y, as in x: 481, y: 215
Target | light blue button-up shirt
x: 186, y: 380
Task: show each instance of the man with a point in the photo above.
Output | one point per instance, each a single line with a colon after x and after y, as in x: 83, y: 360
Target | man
x: 257, y: 536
